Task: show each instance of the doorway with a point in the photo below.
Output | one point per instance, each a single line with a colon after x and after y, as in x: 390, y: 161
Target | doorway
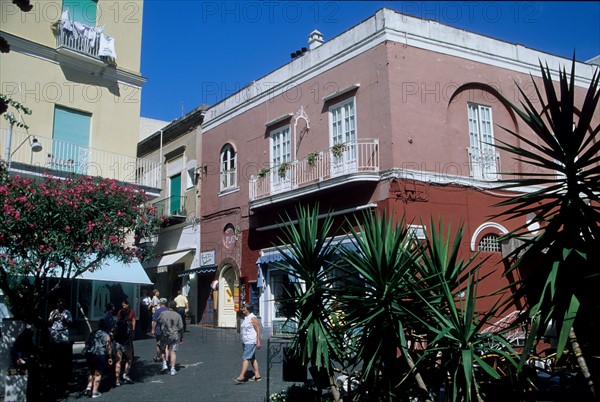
x: 227, y: 313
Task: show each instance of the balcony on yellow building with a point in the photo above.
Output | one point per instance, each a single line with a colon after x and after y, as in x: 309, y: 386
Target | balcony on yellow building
x: 60, y: 158
x: 86, y: 43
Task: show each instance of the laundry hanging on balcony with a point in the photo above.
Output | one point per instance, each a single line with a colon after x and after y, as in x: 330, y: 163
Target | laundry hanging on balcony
x: 107, y: 47
x: 83, y: 38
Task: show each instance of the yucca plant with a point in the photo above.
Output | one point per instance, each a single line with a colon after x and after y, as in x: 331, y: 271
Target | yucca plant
x: 561, y: 265
x: 308, y: 255
x: 376, y: 306
x: 457, y: 346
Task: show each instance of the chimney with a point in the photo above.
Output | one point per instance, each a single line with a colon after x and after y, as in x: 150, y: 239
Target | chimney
x: 315, y: 39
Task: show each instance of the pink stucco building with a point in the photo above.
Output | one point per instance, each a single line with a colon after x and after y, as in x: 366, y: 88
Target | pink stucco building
x: 397, y: 114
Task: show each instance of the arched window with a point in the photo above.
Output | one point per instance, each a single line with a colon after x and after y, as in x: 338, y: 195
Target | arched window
x: 228, y: 168
x: 489, y: 243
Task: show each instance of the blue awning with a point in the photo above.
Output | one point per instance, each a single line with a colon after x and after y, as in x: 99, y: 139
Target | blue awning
x: 112, y: 270
x: 272, y: 254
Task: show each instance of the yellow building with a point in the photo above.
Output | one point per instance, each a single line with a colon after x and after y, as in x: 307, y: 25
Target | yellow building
x: 76, y: 65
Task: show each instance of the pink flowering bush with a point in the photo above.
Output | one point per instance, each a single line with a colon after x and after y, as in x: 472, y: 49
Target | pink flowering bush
x: 61, y: 228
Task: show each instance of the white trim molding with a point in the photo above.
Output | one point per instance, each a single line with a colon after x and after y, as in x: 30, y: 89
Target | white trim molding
x: 484, y: 226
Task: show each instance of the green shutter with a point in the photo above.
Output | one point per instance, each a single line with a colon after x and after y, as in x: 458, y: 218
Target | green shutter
x: 71, y: 134
x: 83, y: 11
x: 175, y: 191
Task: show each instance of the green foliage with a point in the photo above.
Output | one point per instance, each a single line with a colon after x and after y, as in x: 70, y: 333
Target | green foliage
x: 376, y: 307
x: 10, y: 117
x: 308, y: 258
x: 457, y: 343
x: 561, y: 264
x: 63, y: 227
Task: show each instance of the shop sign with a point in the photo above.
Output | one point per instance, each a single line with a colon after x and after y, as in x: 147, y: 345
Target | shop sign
x: 208, y: 258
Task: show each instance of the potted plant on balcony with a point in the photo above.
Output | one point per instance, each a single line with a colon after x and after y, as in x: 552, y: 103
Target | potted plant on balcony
x: 311, y: 158
x: 262, y: 172
x: 338, y: 149
x: 283, y: 169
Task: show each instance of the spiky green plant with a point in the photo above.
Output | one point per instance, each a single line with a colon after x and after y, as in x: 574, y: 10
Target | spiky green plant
x: 457, y: 344
x: 560, y: 265
x: 376, y: 306
x: 308, y: 255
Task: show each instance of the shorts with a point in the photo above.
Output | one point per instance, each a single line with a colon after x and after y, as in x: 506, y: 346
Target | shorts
x: 169, y: 343
x: 96, y: 362
x: 125, y: 349
x: 248, y: 351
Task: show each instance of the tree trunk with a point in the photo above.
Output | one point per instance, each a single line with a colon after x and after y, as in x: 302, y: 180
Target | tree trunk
x: 418, y: 378
x: 335, y: 392
x: 581, y: 361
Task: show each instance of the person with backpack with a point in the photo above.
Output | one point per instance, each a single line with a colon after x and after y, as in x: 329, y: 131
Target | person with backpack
x: 161, y: 355
x: 123, y: 345
x: 98, y: 355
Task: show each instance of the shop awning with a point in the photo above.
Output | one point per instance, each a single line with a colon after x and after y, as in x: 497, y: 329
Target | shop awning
x: 207, y: 269
x: 112, y: 270
x: 173, y: 258
x: 272, y: 254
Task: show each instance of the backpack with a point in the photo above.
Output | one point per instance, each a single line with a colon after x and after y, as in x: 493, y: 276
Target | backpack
x: 122, y: 331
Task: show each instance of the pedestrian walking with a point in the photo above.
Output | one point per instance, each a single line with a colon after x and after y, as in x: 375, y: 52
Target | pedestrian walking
x: 98, y: 356
x: 145, y: 312
x: 123, y: 346
x: 182, y: 307
x: 160, y: 354
x: 155, y: 300
x: 109, y: 317
x: 61, y: 351
x: 131, y: 319
x: 171, y: 328
x: 250, y: 334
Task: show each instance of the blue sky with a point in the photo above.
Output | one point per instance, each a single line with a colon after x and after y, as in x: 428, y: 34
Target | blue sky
x: 196, y: 52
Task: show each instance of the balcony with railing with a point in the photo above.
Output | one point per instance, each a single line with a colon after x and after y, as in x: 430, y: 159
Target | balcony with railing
x: 350, y: 161
x: 84, y: 42
x: 171, y: 207
x: 61, y: 157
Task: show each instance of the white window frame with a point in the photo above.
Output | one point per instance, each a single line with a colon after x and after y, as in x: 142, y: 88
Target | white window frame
x: 482, y: 151
x: 228, y: 168
x: 343, y: 130
x: 280, y: 146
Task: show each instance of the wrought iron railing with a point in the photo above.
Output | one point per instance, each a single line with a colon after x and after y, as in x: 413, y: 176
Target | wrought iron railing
x: 351, y: 157
x: 172, y: 206
x: 57, y: 155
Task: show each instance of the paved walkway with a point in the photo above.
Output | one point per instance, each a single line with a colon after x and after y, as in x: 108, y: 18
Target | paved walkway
x: 207, y: 362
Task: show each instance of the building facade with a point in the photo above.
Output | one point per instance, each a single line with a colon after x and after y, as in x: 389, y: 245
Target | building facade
x: 397, y: 114
x: 76, y: 65
x: 178, y: 265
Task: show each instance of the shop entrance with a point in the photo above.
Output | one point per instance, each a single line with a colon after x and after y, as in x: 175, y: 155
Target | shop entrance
x: 227, y: 314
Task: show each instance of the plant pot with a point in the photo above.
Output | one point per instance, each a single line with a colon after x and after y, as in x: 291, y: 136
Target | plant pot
x: 293, y: 370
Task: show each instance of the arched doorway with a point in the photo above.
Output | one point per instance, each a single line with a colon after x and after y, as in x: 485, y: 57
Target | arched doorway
x: 227, y: 314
